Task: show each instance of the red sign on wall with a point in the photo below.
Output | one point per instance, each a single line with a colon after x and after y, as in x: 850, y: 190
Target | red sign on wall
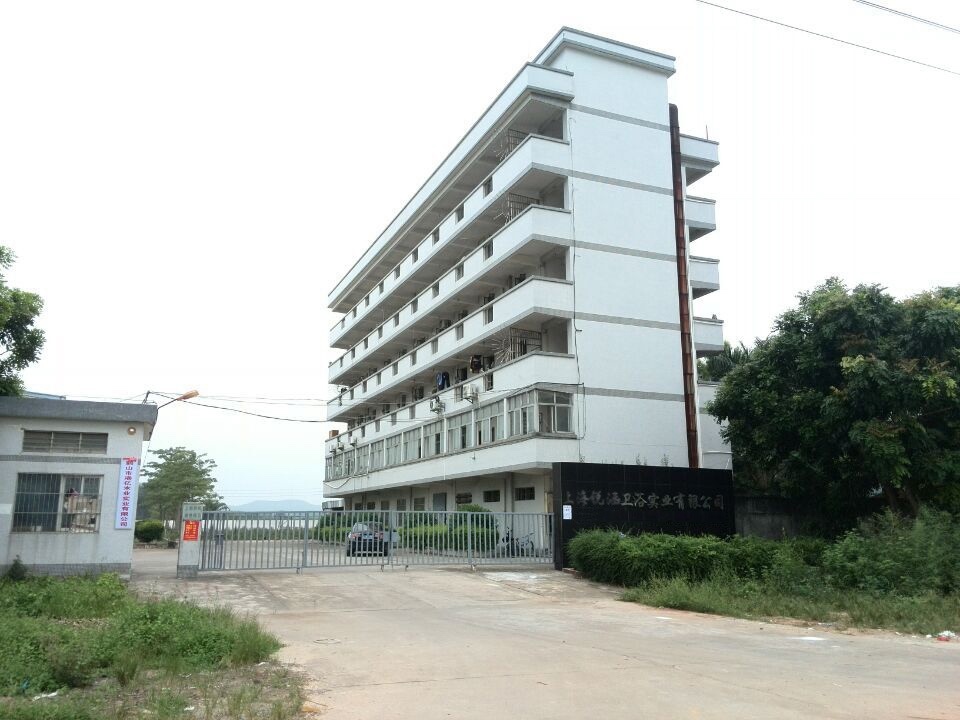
x: 191, y: 530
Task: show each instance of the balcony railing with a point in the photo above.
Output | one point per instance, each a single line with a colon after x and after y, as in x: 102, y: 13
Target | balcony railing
x: 534, y: 295
x: 704, y: 275
x: 707, y: 336
x: 701, y: 216
x: 535, y: 149
x: 538, y: 222
x: 531, y: 78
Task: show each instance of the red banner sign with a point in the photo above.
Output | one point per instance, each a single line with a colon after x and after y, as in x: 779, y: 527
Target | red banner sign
x: 191, y: 530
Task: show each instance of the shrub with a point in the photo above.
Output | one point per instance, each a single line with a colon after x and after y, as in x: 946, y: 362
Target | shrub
x: 891, y: 554
x: 17, y: 570
x: 472, y: 507
x: 148, y: 530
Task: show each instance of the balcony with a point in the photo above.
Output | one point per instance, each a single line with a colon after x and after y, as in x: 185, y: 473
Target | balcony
x: 698, y: 156
x: 543, y: 81
x: 534, y: 367
x: 531, y: 303
x: 701, y: 216
x: 707, y: 336
x: 513, y: 251
x: 480, y: 215
x: 704, y: 275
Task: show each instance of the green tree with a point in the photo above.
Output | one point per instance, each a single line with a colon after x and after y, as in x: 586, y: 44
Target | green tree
x: 853, y: 399
x: 20, y: 341
x: 179, y: 476
x: 715, y: 367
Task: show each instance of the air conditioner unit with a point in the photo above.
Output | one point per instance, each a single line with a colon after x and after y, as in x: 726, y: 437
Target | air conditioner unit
x: 339, y: 445
x: 354, y: 441
x: 472, y: 394
x: 436, y: 405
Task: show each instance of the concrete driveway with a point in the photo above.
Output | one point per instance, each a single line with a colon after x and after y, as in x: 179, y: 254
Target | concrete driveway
x: 532, y: 643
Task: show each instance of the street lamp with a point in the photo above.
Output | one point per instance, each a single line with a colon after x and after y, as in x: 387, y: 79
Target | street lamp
x: 185, y: 396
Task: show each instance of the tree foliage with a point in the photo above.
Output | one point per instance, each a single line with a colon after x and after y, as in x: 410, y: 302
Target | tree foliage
x: 853, y: 398
x: 716, y: 367
x: 179, y: 476
x: 20, y: 341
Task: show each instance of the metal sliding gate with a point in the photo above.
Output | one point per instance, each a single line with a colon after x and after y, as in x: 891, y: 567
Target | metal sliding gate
x: 258, y: 541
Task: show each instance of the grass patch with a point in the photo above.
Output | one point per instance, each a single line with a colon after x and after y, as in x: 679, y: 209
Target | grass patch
x: 93, y: 641
x: 727, y: 595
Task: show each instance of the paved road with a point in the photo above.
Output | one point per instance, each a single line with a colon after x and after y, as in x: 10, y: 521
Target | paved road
x: 529, y: 644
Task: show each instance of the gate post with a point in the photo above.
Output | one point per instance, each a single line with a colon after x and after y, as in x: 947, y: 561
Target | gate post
x: 188, y: 549
x: 470, y: 538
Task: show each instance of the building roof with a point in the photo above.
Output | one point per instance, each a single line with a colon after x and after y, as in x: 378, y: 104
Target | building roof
x: 55, y: 409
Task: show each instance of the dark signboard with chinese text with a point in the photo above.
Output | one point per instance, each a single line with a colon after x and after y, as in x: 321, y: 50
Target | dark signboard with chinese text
x: 641, y: 498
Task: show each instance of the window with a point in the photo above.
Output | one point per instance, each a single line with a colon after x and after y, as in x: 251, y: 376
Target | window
x: 379, y: 377
x: 366, y: 301
x: 384, y: 505
x: 351, y: 393
x: 358, y: 506
x: 459, y: 332
x: 363, y: 457
x: 434, y: 346
x: 436, y: 289
x: 555, y: 410
x: 487, y: 186
x: 396, y: 319
x: 520, y: 412
x: 460, y: 212
x: 353, y: 353
x: 411, y: 445
x: 415, y: 255
x: 464, y: 498
x: 458, y: 431
x: 376, y: 425
x: 56, y: 503
x: 381, y: 287
x: 432, y: 438
x: 488, y: 381
x: 436, y: 236
x: 458, y: 273
x: 491, y: 496
x: 419, y: 504
x: 524, y: 493
x: 363, y: 431
x: 396, y: 368
x: 403, y: 400
x: 391, y: 450
x: 64, y: 442
x: 353, y: 313
x: 413, y: 357
x: 396, y: 273
x: 488, y: 250
x: 488, y: 315
x: 414, y: 304
x: 376, y: 453
x: 401, y: 505
x: 488, y: 423
x: 364, y: 386
x: 372, y: 505
x: 380, y: 332
x: 366, y: 342
x: 393, y: 419
x: 413, y: 411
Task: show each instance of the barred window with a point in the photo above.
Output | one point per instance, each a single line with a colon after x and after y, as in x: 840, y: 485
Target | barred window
x: 524, y: 493
x: 491, y: 496
x: 401, y: 504
x: 46, y: 441
x: 419, y: 504
x: 57, y: 503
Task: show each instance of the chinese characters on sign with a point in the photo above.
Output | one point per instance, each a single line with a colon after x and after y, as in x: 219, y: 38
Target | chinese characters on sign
x: 191, y: 530
x: 127, y: 493
x: 679, y: 501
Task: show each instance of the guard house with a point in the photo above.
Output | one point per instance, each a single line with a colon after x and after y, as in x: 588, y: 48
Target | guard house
x: 68, y: 483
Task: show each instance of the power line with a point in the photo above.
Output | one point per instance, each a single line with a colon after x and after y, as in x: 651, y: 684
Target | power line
x: 932, y: 23
x: 831, y: 37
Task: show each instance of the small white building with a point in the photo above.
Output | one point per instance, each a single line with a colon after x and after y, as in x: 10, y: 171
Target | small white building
x: 534, y: 302
x: 68, y: 483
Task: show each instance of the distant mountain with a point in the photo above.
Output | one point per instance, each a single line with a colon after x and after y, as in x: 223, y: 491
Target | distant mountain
x: 275, y: 506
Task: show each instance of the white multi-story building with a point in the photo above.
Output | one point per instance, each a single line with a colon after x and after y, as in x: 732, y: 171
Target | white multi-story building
x: 531, y: 304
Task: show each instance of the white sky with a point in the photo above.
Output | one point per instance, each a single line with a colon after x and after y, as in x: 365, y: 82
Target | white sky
x: 183, y: 182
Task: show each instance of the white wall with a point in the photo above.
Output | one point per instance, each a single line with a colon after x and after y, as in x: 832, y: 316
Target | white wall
x: 106, y: 549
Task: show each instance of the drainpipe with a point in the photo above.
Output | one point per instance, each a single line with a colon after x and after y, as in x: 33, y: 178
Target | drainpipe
x: 683, y: 291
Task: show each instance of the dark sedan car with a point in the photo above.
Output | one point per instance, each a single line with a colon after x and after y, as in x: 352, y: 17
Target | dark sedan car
x: 366, y: 538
